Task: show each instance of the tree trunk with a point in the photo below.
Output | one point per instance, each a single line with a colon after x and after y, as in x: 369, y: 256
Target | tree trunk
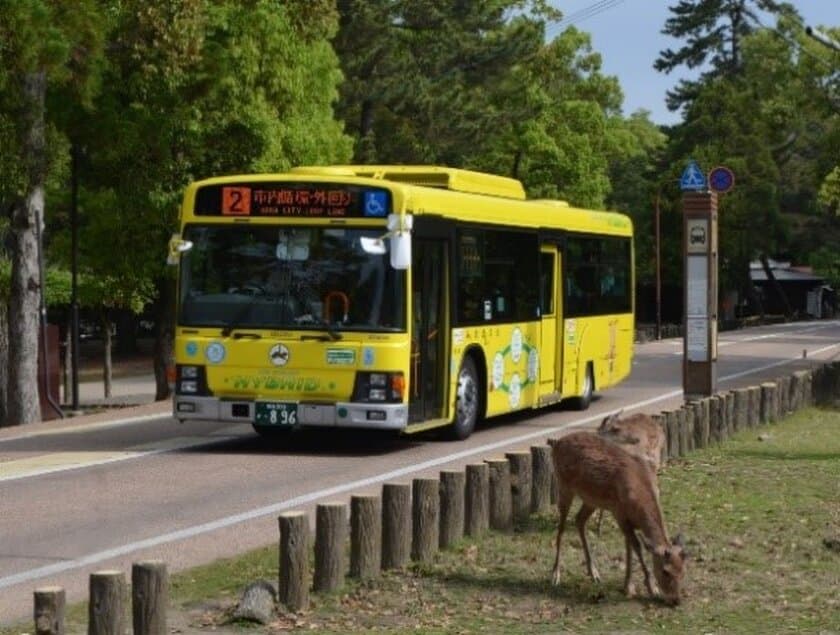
x: 127, y: 328
x: 4, y: 366
x: 107, y: 360
x: 67, y: 366
x: 164, y: 335
x: 776, y: 286
x: 25, y: 297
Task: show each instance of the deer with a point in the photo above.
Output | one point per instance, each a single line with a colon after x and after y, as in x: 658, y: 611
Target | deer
x: 639, y: 434
x: 606, y: 477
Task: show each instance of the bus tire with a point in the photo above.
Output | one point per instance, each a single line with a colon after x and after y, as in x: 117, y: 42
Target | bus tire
x: 582, y: 402
x: 467, y: 401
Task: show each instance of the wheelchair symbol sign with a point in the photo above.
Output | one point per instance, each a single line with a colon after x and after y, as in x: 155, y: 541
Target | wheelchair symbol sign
x: 376, y: 203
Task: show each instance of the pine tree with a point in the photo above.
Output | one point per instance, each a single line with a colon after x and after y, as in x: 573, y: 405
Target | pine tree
x: 713, y: 31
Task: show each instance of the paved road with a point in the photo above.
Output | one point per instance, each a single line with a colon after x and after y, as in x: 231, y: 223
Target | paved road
x: 99, y: 492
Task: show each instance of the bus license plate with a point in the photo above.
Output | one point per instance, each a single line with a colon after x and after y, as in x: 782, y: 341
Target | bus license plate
x: 275, y: 413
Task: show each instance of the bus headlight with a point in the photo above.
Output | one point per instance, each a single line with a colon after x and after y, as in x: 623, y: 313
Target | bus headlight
x: 191, y: 380
x: 188, y: 386
x: 381, y: 387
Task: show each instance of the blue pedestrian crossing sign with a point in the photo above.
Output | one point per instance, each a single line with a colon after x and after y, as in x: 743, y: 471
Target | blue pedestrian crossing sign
x: 692, y: 178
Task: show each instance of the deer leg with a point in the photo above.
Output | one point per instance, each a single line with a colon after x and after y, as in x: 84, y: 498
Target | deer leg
x: 629, y: 587
x: 580, y: 520
x: 637, y: 547
x: 564, y: 503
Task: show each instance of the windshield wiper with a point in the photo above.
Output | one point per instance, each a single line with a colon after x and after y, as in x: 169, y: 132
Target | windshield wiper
x: 241, y: 313
x: 246, y: 335
x: 331, y: 333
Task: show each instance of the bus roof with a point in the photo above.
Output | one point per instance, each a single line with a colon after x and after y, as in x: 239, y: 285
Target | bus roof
x: 443, y: 191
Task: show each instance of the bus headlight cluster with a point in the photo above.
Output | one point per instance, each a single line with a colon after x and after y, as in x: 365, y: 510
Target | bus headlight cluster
x: 379, y: 387
x: 191, y: 380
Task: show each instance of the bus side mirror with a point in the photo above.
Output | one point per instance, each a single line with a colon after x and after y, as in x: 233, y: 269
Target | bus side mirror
x: 401, y: 250
x: 399, y: 230
x: 177, y: 246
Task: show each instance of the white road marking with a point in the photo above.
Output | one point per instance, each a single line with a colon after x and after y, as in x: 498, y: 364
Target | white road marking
x: 755, y: 338
x: 84, y: 427
x: 227, y: 521
x: 64, y: 461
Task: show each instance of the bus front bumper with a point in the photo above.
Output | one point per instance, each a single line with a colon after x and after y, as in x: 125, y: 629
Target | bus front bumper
x: 340, y: 415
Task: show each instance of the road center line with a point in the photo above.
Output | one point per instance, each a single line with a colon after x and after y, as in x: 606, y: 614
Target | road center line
x: 227, y: 521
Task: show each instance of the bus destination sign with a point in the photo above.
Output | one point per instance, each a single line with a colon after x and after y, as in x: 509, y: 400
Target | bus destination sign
x: 293, y: 200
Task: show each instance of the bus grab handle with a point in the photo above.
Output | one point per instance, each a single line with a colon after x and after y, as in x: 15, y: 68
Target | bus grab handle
x: 345, y: 304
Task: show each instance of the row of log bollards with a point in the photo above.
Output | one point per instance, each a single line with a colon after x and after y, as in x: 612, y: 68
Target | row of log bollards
x: 712, y: 420
x: 411, y: 522
x: 106, y: 608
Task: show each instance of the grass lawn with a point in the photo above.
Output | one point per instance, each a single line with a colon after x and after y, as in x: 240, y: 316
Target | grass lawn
x: 761, y: 519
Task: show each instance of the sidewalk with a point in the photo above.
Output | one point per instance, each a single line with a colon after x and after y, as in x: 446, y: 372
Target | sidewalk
x: 132, y: 390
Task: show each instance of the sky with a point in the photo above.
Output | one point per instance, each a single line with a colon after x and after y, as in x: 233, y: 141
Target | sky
x: 627, y: 35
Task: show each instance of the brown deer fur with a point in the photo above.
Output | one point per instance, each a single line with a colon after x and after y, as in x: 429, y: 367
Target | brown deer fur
x: 638, y: 434
x: 606, y: 477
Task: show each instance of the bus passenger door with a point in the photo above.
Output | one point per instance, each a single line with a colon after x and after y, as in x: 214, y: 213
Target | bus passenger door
x: 428, y: 336
x: 551, y: 342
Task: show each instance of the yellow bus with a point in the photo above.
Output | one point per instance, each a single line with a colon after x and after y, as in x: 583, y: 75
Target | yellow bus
x: 395, y: 298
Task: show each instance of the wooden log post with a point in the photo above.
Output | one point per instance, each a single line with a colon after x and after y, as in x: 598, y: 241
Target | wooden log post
x: 396, y: 525
x: 730, y: 414
x: 767, y: 408
x: 50, y: 604
x: 365, y: 537
x: 703, y: 435
x: 717, y: 419
x: 781, y: 397
x: 819, y: 382
x: 293, y: 587
x: 808, y: 392
x: 477, y: 499
x: 797, y: 390
x: 425, y: 494
x: 689, y: 425
x: 673, y: 434
x: 682, y: 426
x: 663, y: 454
x: 106, y: 608
x: 452, y: 488
x: 330, y: 541
x: 149, y: 597
x: 501, y: 504
x: 834, y: 387
x: 521, y: 476
x: 543, y: 468
x: 742, y: 408
x: 784, y: 395
x: 755, y: 406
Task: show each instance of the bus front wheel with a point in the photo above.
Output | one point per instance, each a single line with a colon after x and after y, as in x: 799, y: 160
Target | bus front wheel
x: 582, y: 402
x: 467, y: 401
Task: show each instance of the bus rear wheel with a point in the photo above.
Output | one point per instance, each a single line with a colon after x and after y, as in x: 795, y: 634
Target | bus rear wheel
x: 467, y: 401
x: 582, y: 402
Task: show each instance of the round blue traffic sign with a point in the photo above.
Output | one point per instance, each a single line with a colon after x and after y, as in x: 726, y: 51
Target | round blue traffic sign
x: 721, y: 179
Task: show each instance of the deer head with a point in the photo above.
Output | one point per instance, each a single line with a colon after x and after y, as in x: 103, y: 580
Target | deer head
x: 669, y: 562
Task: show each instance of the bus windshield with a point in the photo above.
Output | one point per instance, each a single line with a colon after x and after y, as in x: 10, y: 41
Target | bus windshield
x: 281, y: 277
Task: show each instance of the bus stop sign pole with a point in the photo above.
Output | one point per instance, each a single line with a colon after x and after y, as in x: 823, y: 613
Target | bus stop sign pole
x: 700, y: 284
